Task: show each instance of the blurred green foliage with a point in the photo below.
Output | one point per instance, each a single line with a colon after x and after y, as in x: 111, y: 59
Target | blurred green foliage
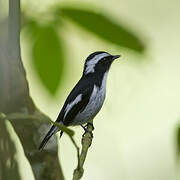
x: 48, y: 57
x: 104, y: 28
x: 47, y: 50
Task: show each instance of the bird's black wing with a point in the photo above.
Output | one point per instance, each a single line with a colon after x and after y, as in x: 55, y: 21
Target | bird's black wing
x: 83, y: 88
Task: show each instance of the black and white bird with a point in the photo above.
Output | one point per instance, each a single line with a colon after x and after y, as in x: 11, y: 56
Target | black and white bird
x: 87, y: 97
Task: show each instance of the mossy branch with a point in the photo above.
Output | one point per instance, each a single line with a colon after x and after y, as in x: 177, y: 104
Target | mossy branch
x: 15, y: 98
x: 19, y: 116
x: 86, y: 139
x: 86, y: 143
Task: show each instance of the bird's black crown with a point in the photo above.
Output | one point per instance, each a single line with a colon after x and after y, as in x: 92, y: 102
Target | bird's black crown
x: 99, y: 61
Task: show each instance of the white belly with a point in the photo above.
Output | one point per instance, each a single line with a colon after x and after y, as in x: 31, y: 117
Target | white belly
x: 93, y: 107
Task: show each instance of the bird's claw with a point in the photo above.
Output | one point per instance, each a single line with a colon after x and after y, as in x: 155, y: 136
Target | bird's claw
x: 87, y: 130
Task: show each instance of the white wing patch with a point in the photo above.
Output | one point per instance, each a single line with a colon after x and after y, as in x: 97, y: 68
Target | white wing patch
x: 91, y: 63
x: 70, y: 105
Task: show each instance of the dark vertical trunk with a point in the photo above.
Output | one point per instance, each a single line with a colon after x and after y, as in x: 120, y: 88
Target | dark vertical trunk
x: 14, y: 98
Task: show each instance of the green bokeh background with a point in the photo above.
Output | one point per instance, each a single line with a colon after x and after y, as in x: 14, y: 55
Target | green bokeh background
x: 134, y: 137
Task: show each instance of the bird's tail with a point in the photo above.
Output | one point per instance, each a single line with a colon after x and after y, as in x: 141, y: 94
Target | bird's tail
x: 47, y: 137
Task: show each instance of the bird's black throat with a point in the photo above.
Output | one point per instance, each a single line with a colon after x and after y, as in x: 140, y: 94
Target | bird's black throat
x: 95, y: 78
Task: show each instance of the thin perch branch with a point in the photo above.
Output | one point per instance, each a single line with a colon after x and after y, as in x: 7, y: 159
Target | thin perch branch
x: 86, y: 143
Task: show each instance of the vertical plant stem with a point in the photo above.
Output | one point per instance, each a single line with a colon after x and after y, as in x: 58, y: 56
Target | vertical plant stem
x: 14, y: 29
x: 17, y: 85
x: 86, y: 143
x: 45, y: 165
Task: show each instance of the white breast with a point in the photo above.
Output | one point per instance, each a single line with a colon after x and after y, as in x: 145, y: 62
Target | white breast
x: 95, y: 103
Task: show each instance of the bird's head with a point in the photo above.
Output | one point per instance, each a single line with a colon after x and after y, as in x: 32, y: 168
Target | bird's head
x: 98, y: 62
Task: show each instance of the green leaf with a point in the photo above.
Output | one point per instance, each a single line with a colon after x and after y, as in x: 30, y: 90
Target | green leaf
x: 103, y: 27
x: 30, y: 26
x: 48, y: 57
x: 8, y: 151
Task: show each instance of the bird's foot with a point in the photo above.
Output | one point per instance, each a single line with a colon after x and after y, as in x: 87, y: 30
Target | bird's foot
x: 86, y: 129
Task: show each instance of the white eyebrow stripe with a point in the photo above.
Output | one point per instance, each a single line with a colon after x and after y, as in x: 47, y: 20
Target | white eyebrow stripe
x: 70, y: 105
x: 91, y: 63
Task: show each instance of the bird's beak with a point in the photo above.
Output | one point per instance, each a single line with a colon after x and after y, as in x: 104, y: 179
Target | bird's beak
x: 115, y: 57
